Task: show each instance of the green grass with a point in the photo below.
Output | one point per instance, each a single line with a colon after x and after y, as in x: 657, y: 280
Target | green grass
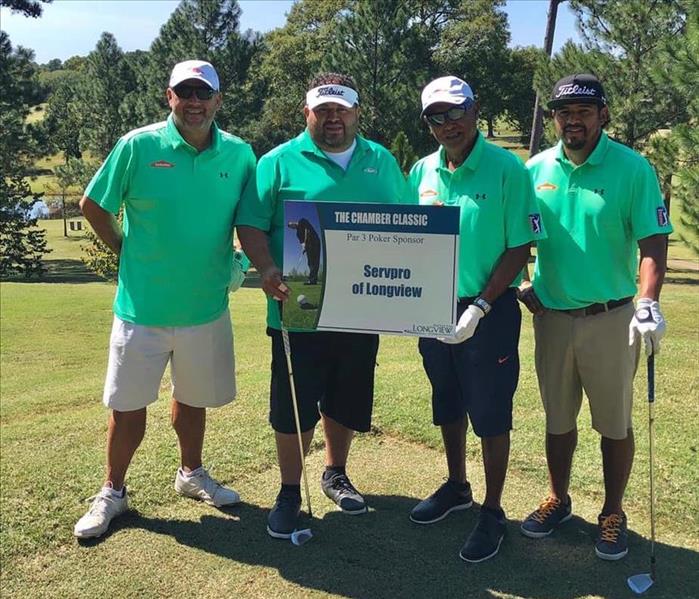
x: 53, y: 340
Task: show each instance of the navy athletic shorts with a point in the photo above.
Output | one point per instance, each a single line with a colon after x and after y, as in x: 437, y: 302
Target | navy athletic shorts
x: 477, y: 378
x: 333, y: 373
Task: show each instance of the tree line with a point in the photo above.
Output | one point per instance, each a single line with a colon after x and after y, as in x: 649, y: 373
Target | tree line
x: 645, y: 52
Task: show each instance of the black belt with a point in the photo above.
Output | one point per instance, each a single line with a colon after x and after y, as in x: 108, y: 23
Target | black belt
x: 593, y: 309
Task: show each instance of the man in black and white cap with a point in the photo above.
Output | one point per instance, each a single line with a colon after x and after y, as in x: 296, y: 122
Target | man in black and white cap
x: 601, y: 203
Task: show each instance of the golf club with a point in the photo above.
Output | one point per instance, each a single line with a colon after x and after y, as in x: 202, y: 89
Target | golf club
x: 640, y: 583
x: 287, y: 351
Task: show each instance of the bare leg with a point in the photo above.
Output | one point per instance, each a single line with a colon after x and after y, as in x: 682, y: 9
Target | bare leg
x: 617, y: 459
x: 496, y: 454
x: 189, y: 424
x: 454, y: 438
x: 559, y: 456
x: 124, y: 435
x: 338, y: 439
x: 288, y: 455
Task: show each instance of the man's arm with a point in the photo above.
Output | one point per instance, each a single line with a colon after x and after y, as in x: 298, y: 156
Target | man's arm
x: 104, y: 224
x: 256, y: 247
x: 526, y: 293
x: 652, y: 266
x: 508, y: 267
x: 648, y: 321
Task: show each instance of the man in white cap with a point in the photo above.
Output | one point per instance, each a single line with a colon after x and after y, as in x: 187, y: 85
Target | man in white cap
x: 333, y: 372
x: 179, y: 183
x: 475, y: 373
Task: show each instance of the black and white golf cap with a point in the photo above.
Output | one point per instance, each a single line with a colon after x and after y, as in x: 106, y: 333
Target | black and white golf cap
x: 577, y: 89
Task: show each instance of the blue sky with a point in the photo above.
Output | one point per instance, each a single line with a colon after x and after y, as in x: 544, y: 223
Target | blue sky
x: 70, y: 27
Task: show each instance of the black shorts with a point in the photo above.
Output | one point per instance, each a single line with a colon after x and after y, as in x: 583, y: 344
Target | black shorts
x: 478, y: 377
x: 333, y: 373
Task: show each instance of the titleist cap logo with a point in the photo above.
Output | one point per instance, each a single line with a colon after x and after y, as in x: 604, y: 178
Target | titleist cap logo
x: 583, y: 88
x: 339, y: 94
x: 330, y: 91
x: 575, y: 90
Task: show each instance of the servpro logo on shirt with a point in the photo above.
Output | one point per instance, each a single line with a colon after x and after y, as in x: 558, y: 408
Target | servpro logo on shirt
x: 161, y: 164
x: 546, y: 187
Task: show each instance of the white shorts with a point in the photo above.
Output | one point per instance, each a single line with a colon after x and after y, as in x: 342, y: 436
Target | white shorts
x: 202, y: 364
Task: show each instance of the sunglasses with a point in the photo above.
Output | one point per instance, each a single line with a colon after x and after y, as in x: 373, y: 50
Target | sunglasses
x: 453, y: 114
x: 185, y: 92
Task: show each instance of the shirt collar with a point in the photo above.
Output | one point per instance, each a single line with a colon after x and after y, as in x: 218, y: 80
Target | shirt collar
x: 308, y: 146
x: 175, y: 138
x: 595, y: 157
x: 473, y: 159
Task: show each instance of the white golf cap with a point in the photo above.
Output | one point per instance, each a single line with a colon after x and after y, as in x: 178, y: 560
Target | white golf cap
x: 194, y: 69
x: 331, y: 92
x: 447, y: 90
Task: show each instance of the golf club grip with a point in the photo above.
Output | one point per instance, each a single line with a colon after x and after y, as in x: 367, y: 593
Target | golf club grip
x: 651, y: 378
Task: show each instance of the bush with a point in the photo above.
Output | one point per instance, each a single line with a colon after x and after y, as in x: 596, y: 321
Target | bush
x: 22, y: 243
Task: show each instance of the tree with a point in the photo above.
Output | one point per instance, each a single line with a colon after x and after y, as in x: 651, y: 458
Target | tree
x: 519, y: 94
x: 623, y: 43
x: 108, y: 81
x: 205, y: 30
x: 474, y: 47
x: 403, y: 152
x: 22, y: 244
x: 677, y: 151
x: 280, y: 74
x: 381, y: 44
x: 29, y: 8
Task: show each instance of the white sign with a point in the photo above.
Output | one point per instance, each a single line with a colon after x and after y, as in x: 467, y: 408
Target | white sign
x: 371, y: 268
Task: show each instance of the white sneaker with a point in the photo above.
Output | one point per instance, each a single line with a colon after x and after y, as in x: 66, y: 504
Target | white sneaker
x: 198, y: 484
x: 107, y: 504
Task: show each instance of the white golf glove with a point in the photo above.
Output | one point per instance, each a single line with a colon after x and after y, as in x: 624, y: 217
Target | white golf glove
x: 466, y: 326
x: 648, y: 323
x: 303, y: 247
x: 238, y: 269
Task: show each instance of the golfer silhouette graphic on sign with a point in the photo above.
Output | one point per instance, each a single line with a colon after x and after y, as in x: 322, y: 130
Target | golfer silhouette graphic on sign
x: 310, y: 242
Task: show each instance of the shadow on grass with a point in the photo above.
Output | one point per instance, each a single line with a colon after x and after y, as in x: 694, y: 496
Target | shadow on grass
x: 62, y: 271
x: 383, y: 554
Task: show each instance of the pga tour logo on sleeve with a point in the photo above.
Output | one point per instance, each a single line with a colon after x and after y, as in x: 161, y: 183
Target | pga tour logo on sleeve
x: 535, y: 222
x: 661, y: 213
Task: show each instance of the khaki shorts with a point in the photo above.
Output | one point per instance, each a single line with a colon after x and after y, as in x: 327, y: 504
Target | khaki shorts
x: 201, y: 360
x: 589, y: 353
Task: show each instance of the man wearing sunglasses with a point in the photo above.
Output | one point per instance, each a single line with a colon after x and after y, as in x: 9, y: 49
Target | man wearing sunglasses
x: 179, y: 183
x: 474, y: 374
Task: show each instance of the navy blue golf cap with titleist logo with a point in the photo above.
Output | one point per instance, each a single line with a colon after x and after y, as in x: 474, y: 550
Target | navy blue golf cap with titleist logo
x: 577, y: 89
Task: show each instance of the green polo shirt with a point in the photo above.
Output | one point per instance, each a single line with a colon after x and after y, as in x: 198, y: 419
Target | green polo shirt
x: 594, y: 215
x: 179, y: 212
x: 299, y: 170
x: 498, y: 208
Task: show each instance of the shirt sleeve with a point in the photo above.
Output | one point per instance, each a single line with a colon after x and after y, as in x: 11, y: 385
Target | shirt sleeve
x: 523, y: 222
x: 397, y: 183
x: 110, y: 184
x: 411, y: 186
x: 648, y: 213
x: 258, y: 205
x: 249, y: 191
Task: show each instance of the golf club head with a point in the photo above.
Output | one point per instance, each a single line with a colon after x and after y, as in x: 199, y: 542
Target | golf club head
x: 299, y: 537
x: 640, y: 583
